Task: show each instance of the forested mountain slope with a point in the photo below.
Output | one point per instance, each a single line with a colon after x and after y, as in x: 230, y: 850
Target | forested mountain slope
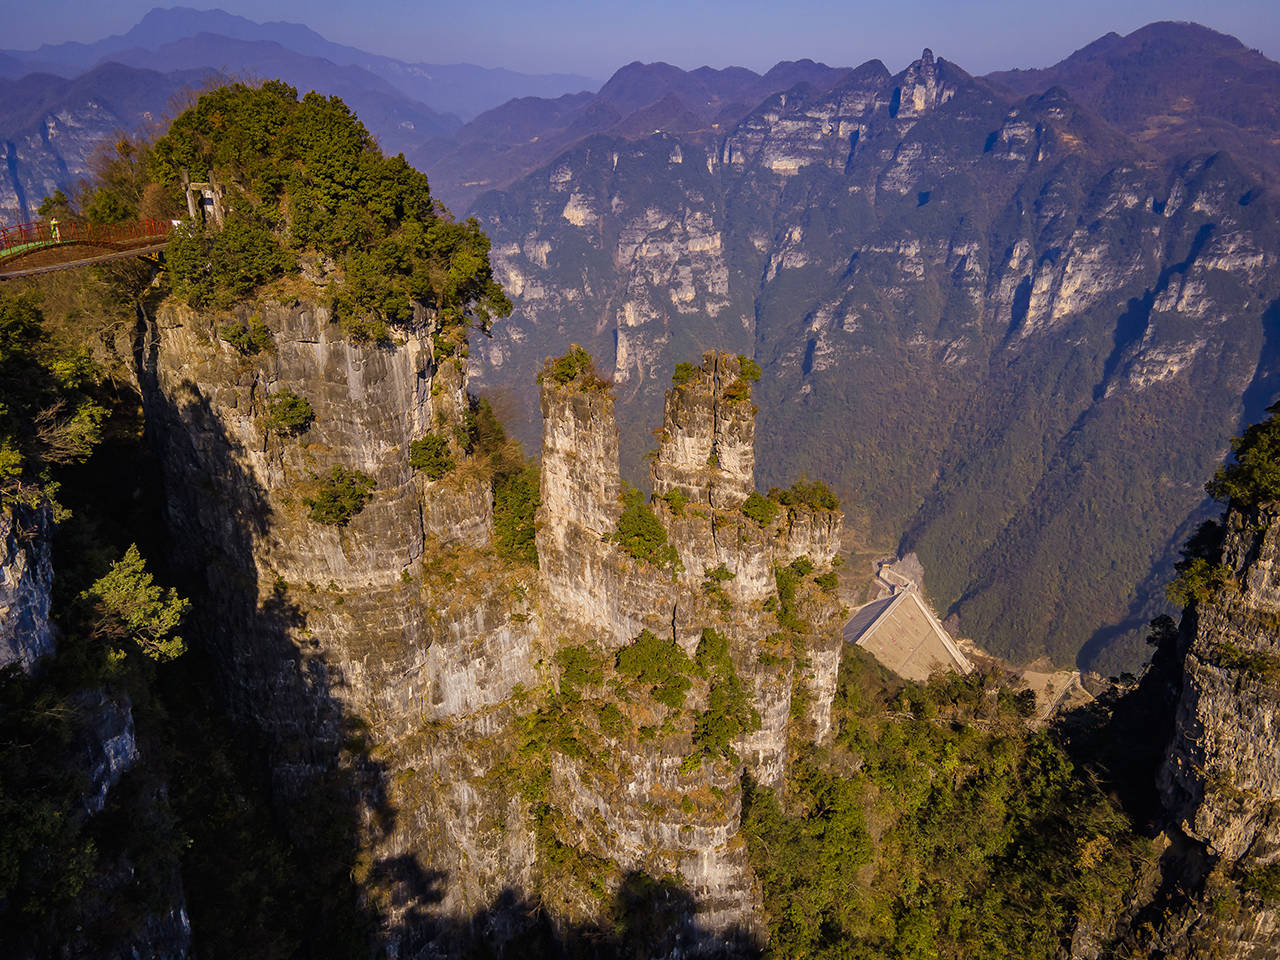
x: 1015, y: 337
x: 1177, y: 88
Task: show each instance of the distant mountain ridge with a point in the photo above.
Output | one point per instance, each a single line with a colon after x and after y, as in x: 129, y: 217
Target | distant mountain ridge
x: 463, y: 89
x: 398, y: 121
x: 1017, y: 327
x: 640, y: 99
x: 1175, y: 87
x: 50, y: 123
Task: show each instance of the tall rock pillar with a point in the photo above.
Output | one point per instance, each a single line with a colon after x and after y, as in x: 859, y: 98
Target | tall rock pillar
x: 593, y: 590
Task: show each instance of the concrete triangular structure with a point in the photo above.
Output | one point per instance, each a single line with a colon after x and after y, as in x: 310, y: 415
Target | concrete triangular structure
x: 902, y: 633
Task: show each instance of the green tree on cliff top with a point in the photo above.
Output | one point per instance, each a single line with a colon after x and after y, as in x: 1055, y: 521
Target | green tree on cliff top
x: 1254, y: 476
x: 308, y: 176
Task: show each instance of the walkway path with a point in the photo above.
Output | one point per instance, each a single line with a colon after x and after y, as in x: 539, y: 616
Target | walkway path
x: 30, y: 248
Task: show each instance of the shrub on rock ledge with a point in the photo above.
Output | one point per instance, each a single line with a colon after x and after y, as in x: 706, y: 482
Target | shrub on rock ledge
x: 341, y: 495
x: 760, y: 508
x: 575, y: 365
x: 641, y: 534
x: 288, y: 413
x: 816, y: 495
x: 659, y: 664
x: 430, y: 454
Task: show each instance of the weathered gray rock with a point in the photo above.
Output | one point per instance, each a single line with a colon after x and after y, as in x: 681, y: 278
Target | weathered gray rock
x: 26, y: 579
x: 392, y: 624
x: 707, y: 444
x: 109, y: 744
x: 1221, y: 778
x: 636, y: 804
x: 588, y: 582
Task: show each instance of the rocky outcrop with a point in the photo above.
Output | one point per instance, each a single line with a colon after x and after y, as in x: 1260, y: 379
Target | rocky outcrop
x: 637, y: 801
x: 1223, y: 773
x: 922, y: 88
x: 706, y: 456
x: 587, y: 580
x: 707, y: 447
x: 1221, y: 780
x: 349, y: 645
x: 402, y: 654
x: 26, y: 582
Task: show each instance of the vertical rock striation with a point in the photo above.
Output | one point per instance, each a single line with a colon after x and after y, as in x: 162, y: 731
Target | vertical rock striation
x: 401, y: 657
x: 638, y: 801
x: 1221, y: 780
x: 707, y: 450
x: 357, y: 649
x: 584, y: 576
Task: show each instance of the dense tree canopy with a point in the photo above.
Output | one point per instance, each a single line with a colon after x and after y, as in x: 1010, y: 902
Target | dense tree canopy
x: 1254, y: 476
x: 305, y: 176
x: 936, y: 825
x: 48, y: 414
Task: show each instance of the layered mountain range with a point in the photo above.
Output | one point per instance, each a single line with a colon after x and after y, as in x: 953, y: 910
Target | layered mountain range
x: 62, y: 100
x: 438, y: 700
x: 1017, y: 330
x: 1016, y: 318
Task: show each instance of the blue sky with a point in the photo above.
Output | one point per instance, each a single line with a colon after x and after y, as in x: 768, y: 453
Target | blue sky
x: 596, y: 38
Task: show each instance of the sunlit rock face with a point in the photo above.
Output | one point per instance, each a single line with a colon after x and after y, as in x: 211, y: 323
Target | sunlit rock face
x: 401, y: 656
x: 961, y: 301
x: 622, y: 805
x: 1223, y: 774
x: 1220, y: 783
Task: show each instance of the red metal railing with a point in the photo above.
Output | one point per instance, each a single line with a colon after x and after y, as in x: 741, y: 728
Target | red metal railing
x: 18, y: 239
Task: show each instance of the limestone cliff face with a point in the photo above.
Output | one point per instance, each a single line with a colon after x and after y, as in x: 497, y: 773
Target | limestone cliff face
x: 586, y: 581
x: 958, y: 298
x: 707, y: 450
x: 403, y: 654
x: 1221, y: 781
x: 1223, y: 774
x: 621, y: 804
x: 362, y: 580
x: 381, y: 629
x: 707, y: 453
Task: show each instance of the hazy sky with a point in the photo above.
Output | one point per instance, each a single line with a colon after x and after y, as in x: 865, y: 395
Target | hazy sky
x: 595, y: 38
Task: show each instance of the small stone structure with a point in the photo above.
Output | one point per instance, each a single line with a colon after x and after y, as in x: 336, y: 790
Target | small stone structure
x: 204, y: 199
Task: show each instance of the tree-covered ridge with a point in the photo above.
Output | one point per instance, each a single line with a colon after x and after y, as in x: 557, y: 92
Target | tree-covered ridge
x: 303, y: 177
x: 937, y: 825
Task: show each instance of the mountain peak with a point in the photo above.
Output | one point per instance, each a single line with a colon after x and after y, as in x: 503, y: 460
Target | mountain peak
x: 1213, y: 78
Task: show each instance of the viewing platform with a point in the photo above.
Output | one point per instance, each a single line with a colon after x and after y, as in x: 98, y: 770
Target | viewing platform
x: 31, y: 248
